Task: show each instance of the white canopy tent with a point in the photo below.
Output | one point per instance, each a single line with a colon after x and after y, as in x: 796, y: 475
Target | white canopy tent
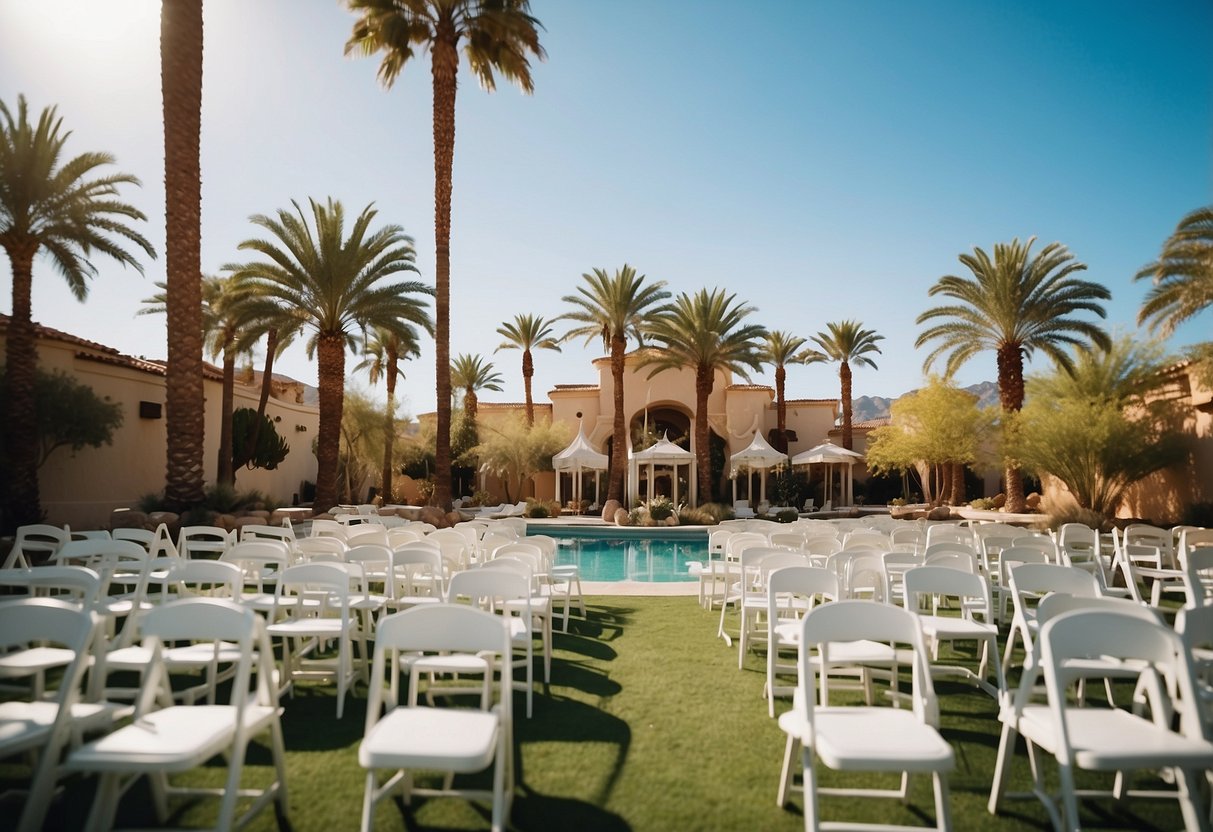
x: 830, y: 455
x: 579, y: 456
x: 662, y: 453
x: 760, y: 456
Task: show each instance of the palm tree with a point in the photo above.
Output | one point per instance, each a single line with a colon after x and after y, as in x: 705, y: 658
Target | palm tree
x: 69, y: 211
x: 780, y: 349
x: 181, y: 91
x: 705, y: 331
x: 846, y: 342
x: 526, y: 333
x: 614, y: 308
x: 1182, y: 275
x: 1014, y: 304
x: 262, y: 317
x: 383, y: 351
x: 497, y: 36
x: 221, y: 331
x: 336, y: 285
x: 472, y: 373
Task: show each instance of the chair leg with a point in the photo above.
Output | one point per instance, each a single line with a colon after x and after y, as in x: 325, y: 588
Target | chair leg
x: 1002, y: 765
x: 105, y: 804
x: 791, y: 750
x: 368, y: 801
x: 227, y: 807
x: 1189, y: 783
x: 811, y: 820
x: 1069, y: 800
x: 943, y: 820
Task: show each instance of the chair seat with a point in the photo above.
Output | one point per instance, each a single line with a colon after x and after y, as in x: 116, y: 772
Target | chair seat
x: 450, y: 739
x: 1108, y: 739
x: 949, y: 627
x: 26, y: 662
x: 172, y: 739
x: 24, y: 724
x: 858, y: 652
x: 879, y: 739
x: 302, y: 627
x: 189, y: 656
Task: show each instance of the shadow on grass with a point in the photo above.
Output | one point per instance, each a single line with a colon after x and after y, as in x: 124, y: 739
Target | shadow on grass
x: 601, y: 622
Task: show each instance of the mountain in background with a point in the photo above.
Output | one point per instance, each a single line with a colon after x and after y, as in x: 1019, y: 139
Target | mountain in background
x: 866, y: 408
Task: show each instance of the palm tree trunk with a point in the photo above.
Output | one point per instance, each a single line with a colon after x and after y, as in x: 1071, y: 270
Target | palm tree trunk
x: 389, y: 426
x: 619, y: 452
x: 528, y: 370
x: 703, y: 464
x: 844, y: 374
x: 1011, y: 394
x: 267, y: 375
x: 781, y: 410
x: 444, y: 67
x: 225, y: 473
x: 181, y: 85
x: 471, y: 404
x: 958, y: 484
x: 22, y: 503
x: 330, y: 352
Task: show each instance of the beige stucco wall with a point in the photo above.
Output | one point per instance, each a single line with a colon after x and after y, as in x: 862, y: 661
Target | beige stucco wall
x: 82, y: 488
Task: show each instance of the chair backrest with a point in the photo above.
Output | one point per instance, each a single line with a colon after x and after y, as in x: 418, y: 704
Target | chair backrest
x: 942, y: 582
x: 862, y: 620
x: 741, y: 541
x: 1039, y: 542
x: 144, y: 537
x: 200, y: 540
x: 1152, y: 536
x: 438, y: 628
x: 490, y: 588
x: 867, y: 537
x: 320, y: 548
x: 260, y: 561
x: 546, y: 543
x: 949, y: 533
x: 327, y: 528
x: 1198, y: 576
x: 1058, y: 603
x: 1041, y: 578
x: 1192, y: 538
x: 414, y: 568
x: 812, y: 583
x: 529, y: 551
x: 329, y: 583
x: 94, y: 551
x: 951, y: 555
x: 866, y: 576
x: 372, y: 557
x: 253, y: 531
x: 793, y: 540
x: 34, y: 540
x: 78, y: 585
x: 209, y: 578
x: 367, y: 533
x: 403, y: 534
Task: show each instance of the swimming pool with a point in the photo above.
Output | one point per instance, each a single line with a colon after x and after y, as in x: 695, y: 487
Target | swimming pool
x: 607, y: 555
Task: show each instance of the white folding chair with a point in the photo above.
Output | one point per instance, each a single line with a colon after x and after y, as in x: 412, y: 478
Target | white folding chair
x: 168, y: 739
x: 974, y: 622
x: 791, y: 592
x: 312, y: 609
x: 33, y: 542
x: 509, y: 593
x: 1107, y: 739
x: 410, y: 736
x: 1029, y: 583
x: 204, y: 541
x: 37, y: 725
x: 865, y: 738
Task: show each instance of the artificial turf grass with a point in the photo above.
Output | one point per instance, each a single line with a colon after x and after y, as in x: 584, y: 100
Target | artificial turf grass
x: 648, y: 725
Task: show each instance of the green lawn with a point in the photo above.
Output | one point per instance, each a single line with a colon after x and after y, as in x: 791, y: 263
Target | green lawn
x: 648, y: 725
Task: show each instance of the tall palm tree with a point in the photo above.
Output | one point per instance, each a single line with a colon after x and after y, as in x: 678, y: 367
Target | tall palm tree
x: 780, y: 349
x: 526, y: 333
x: 1182, y: 275
x: 69, y: 210
x: 261, y: 317
x: 846, y: 342
x: 337, y: 285
x: 1015, y: 303
x: 472, y: 373
x: 383, y: 350
x: 496, y: 36
x: 614, y: 308
x: 181, y: 91
x: 706, y: 332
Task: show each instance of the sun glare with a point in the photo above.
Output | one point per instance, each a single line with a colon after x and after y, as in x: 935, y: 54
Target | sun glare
x: 73, y: 22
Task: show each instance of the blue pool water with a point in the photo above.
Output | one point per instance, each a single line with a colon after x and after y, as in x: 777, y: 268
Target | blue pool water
x: 649, y: 559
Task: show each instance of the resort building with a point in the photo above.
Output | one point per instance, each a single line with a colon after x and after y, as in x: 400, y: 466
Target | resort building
x: 81, y: 489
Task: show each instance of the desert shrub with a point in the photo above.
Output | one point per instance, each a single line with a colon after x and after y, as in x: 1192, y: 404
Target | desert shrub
x: 660, y: 508
x: 537, y: 511
x: 897, y: 501
x: 425, y: 489
x: 695, y: 517
x: 1071, y: 513
x: 787, y: 515
x: 983, y: 504
x: 718, y: 511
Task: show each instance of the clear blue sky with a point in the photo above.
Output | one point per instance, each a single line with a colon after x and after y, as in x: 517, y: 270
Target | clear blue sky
x: 823, y: 160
